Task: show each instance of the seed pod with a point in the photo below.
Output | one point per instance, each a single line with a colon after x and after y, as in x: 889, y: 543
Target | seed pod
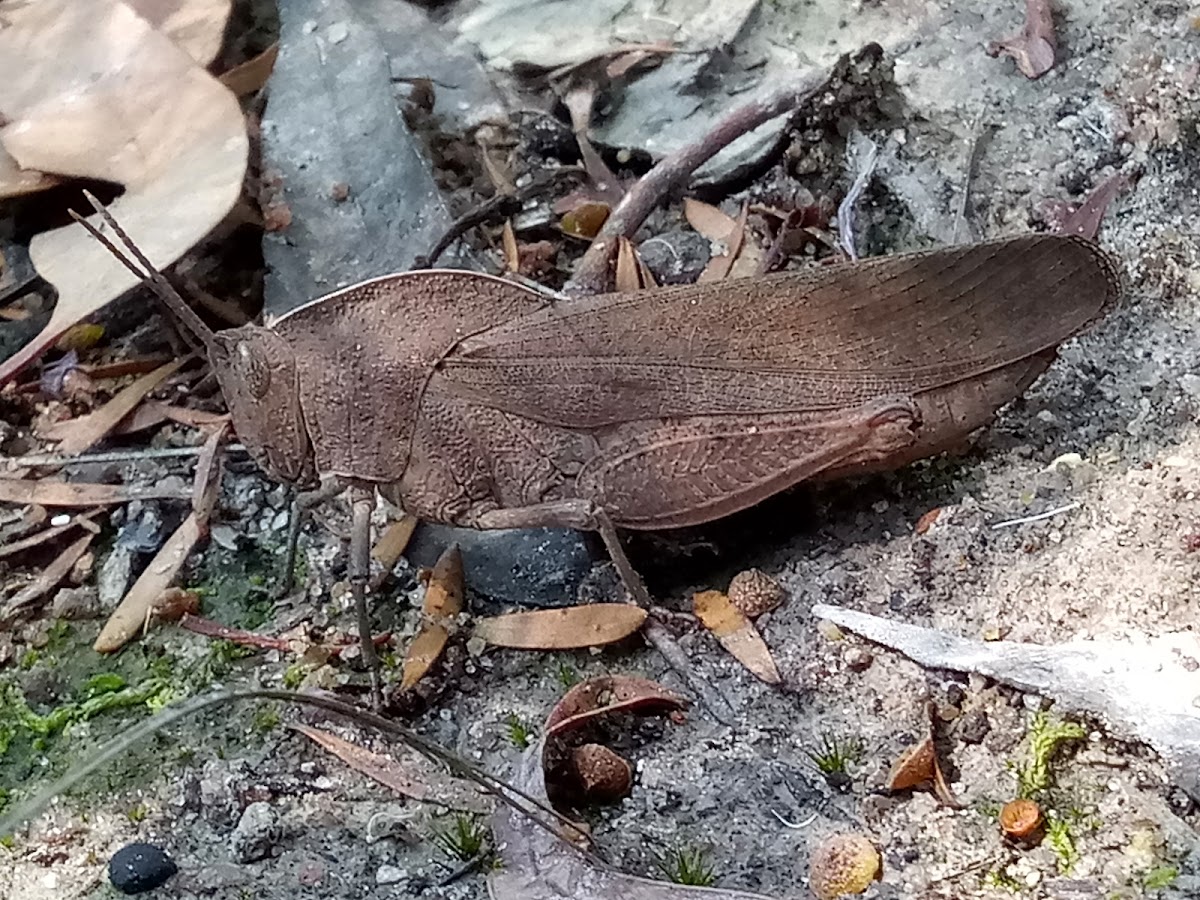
x: 1021, y: 821
x: 604, y: 775
x: 843, y: 864
x: 754, y: 592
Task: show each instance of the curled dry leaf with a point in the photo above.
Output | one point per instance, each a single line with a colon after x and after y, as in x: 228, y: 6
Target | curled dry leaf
x: 443, y: 602
x: 116, y: 101
x: 1033, y: 48
x: 252, y: 75
x: 569, y: 628
x: 736, y: 633
x: 914, y: 767
x: 607, y: 694
x: 843, y: 864
x: 391, y: 546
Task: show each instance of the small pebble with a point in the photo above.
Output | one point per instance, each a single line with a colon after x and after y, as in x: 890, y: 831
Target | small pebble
x: 137, y: 868
x: 390, y: 875
x: 255, y: 833
x: 973, y: 727
x: 858, y: 659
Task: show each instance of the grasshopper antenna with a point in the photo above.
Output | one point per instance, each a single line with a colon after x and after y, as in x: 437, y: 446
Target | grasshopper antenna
x: 164, y: 289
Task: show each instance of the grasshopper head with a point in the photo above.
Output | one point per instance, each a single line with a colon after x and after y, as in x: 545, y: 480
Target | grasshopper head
x: 257, y: 373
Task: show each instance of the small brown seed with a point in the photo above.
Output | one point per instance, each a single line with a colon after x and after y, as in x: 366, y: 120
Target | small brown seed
x: 754, y: 592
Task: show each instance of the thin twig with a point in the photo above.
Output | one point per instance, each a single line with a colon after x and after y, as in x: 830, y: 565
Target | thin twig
x: 1024, y: 520
x: 591, y: 277
x: 497, y: 207
x: 112, y: 456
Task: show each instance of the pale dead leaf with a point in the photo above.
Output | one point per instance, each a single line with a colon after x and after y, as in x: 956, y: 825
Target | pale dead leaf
x: 77, y: 435
x: 413, y: 777
x: 206, y: 485
x: 121, y: 103
x: 736, y: 633
x: 47, y: 492
x: 130, y: 615
x: 47, y: 578
x: 252, y: 75
x: 570, y: 628
x: 443, y: 602
x: 197, y: 26
x: 15, y: 181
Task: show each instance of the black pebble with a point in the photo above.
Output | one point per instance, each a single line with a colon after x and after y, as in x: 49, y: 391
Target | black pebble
x: 137, y: 868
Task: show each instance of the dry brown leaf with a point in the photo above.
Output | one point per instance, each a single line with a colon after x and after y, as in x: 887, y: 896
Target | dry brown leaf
x: 585, y: 218
x: 128, y: 619
x: 443, y: 602
x: 120, y: 102
x: 77, y: 435
x: 391, y: 546
x: 197, y: 26
x: 48, y: 534
x: 48, y: 578
x: 606, y: 694
x: 628, y: 275
x: 1085, y: 221
x: 148, y: 415
x: 570, y: 628
x: 415, y: 777
x: 914, y: 767
x: 252, y: 75
x: 61, y: 493
x: 1034, y: 46
x: 512, y: 253
x: 736, y: 633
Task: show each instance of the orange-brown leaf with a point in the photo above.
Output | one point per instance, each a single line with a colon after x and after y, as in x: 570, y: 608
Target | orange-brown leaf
x: 443, y: 602
x: 570, y: 628
x: 48, y: 492
x: 83, y: 432
x: 736, y: 633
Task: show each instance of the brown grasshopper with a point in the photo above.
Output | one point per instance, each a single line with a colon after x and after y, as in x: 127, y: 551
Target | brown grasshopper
x: 470, y: 400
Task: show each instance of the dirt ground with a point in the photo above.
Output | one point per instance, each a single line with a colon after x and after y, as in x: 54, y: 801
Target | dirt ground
x: 1124, y: 398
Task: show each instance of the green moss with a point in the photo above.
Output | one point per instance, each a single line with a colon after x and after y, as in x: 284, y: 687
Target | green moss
x: 1061, y: 839
x: 1043, y: 742
x: 1160, y: 878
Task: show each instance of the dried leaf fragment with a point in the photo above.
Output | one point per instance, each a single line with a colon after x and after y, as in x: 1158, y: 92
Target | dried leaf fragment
x: 606, y: 694
x: 568, y: 628
x: 914, y: 767
x: 1033, y: 48
x: 443, y: 602
x: 414, y: 777
x: 47, y: 578
x: 736, y: 633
